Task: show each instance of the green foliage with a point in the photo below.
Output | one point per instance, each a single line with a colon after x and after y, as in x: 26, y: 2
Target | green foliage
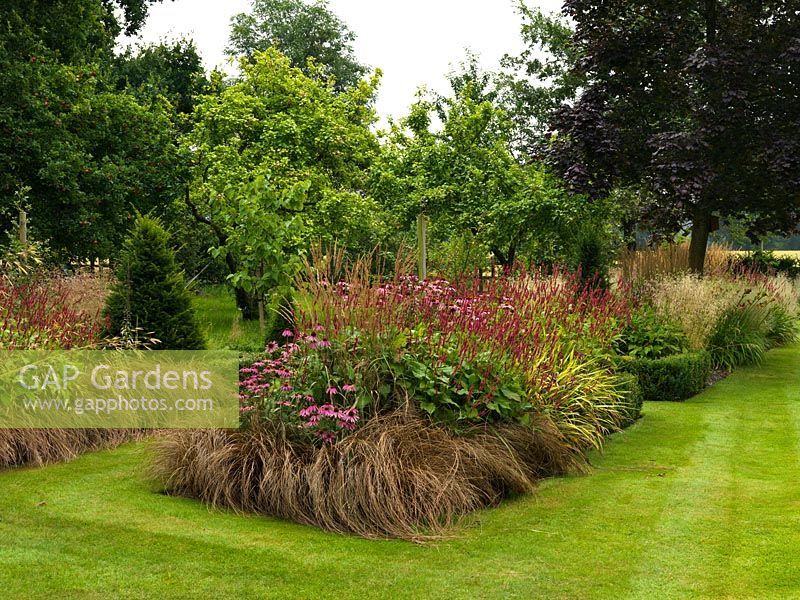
x: 465, y: 178
x: 767, y: 262
x: 278, y: 160
x: 192, y: 241
x: 89, y: 156
x: 151, y: 293
x: 170, y: 70
x: 457, y: 256
x: 672, y: 378
x: 280, y: 315
x: 651, y: 335
x: 592, y: 254
x: 456, y: 391
x: 537, y: 81
x: 628, y: 384
x: 740, y: 335
x: 308, y: 33
x: 266, y: 237
x: 783, y: 326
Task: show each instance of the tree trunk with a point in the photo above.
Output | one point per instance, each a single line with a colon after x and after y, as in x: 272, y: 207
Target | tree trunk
x: 701, y: 228
x: 505, y: 259
x: 247, y: 303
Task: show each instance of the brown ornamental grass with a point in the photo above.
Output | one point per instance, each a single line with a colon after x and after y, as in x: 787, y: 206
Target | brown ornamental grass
x: 397, y: 476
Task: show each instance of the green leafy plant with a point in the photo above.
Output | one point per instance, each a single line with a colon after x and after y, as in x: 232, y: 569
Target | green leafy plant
x: 651, y: 335
x: 767, y: 262
x: 455, y: 390
x: 740, y: 336
x: 673, y: 378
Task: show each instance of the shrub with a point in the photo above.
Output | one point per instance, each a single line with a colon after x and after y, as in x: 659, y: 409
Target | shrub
x: 673, y: 378
x: 397, y: 405
x: 593, y: 255
x: 650, y: 335
x: 628, y: 383
x: 737, y: 316
x: 767, y: 262
x: 740, y: 335
x: 151, y: 293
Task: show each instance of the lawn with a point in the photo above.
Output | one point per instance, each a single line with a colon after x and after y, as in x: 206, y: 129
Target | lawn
x: 696, y: 500
x: 220, y: 321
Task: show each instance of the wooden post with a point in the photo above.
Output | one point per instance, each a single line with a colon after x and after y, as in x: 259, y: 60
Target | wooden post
x: 422, y: 246
x: 23, y: 227
x: 262, y: 322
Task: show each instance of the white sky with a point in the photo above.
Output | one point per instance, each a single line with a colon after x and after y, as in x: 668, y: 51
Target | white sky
x: 414, y: 42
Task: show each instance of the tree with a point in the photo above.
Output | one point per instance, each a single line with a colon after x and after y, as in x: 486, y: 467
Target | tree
x: 535, y: 83
x: 301, y: 31
x: 76, y: 30
x: 697, y: 102
x: 89, y: 156
x: 150, y: 294
x: 170, y: 70
x: 290, y: 132
x: 465, y: 177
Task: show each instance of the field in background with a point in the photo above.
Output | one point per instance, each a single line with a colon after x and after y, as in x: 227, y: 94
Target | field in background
x: 779, y: 253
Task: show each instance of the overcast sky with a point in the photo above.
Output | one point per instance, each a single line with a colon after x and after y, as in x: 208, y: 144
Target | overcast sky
x: 414, y: 42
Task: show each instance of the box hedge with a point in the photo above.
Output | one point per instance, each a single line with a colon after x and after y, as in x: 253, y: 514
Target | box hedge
x: 673, y: 378
x: 629, y: 385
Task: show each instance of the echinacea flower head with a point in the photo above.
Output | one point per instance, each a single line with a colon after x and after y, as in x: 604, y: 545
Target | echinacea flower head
x: 287, y: 333
x: 332, y: 391
x: 349, y: 387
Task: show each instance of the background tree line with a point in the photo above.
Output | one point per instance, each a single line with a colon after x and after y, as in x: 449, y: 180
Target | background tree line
x: 618, y: 117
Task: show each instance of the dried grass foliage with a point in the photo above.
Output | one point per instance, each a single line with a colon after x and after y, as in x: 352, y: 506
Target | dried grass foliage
x: 38, y: 447
x: 398, y: 476
x: 696, y: 303
x: 669, y: 259
x: 86, y: 291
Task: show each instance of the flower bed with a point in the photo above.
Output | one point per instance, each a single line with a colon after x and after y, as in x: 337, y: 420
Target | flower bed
x: 395, y: 407
x: 41, y: 314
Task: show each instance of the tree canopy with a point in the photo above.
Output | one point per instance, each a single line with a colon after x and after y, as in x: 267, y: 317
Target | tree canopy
x: 465, y: 177
x: 89, y: 155
x: 698, y: 102
x: 281, y: 156
x: 301, y: 31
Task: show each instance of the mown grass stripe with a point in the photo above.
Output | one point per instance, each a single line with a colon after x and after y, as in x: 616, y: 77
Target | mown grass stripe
x: 698, y: 500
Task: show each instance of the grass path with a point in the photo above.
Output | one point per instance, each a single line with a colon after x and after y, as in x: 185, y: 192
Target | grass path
x: 698, y: 500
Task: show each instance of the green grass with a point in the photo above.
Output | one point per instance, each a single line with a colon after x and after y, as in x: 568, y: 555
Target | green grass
x: 697, y: 500
x: 221, y: 323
